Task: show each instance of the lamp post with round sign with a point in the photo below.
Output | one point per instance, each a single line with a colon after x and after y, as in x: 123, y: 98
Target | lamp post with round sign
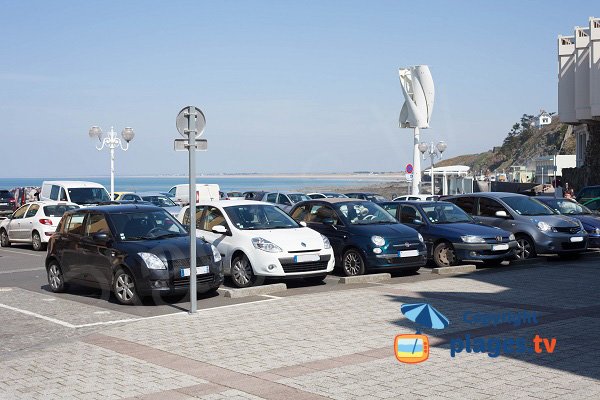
x: 112, y: 141
x: 436, y: 151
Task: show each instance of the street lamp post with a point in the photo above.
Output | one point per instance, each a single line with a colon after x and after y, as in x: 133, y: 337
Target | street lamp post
x: 434, y: 152
x: 112, y: 141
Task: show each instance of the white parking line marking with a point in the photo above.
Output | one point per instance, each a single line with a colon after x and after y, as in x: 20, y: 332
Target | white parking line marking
x: 270, y: 296
x: 13, y: 271
x: 21, y: 252
x: 36, y: 315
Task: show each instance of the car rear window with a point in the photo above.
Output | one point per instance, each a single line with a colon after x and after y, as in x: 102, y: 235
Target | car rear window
x: 5, y: 195
x: 57, y: 210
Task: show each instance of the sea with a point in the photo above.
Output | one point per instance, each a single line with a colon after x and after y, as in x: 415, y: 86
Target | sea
x: 226, y: 183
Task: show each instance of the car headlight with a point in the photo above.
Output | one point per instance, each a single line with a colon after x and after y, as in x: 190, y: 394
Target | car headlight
x: 511, y: 237
x: 378, y: 240
x: 421, y: 238
x: 472, y: 239
x: 543, y: 226
x: 265, y: 245
x: 216, y: 254
x: 597, y: 231
x: 152, y: 261
x: 326, y: 243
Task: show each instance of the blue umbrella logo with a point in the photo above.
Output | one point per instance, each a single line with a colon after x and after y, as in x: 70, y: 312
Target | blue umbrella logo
x: 424, y: 315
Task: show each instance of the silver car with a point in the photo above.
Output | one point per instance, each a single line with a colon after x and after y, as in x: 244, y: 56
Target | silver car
x: 156, y: 198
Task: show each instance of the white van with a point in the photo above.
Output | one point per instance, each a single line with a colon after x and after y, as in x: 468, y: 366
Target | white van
x: 78, y: 192
x: 204, y: 192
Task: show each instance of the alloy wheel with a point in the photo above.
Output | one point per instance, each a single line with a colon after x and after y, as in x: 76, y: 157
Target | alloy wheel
x: 352, y: 263
x: 524, y: 249
x: 4, y: 239
x: 36, y: 242
x: 241, y: 272
x: 124, y: 288
x: 55, y: 278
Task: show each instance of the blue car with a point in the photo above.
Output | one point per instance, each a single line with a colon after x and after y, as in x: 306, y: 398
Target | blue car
x: 363, y: 235
x: 571, y: 208
x: 451, y: 234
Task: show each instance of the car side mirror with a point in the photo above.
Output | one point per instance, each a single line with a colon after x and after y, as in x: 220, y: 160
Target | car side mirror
x: 328, y: 221
x: 501, y: 214
x: 418, y: 221
x: 302, y: 223
x: 219, y: 229
x: 100, y: 237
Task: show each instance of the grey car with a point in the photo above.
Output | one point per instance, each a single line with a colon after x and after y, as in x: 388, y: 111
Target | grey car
x: 285, y: 200
x: 158, y: 199
x: 537, y: 228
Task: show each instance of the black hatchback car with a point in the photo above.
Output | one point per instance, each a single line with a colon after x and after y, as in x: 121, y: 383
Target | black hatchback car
x: 133, y: 250
x: 7, y: 203
x: 363, y: 235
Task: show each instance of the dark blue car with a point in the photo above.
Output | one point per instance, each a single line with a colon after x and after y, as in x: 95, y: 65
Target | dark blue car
x: 451, y: 235
x: 571, y: 208
x: 363, y: 235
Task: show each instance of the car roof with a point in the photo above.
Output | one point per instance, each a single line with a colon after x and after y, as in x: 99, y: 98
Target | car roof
x: 53, y: 203
x: 74, y: 184
x: 334, y: 200
x: 229, y: 203
x: 121, y: 208
x: 149, y: 194
x: 497, y: 195
x: 422, y: 202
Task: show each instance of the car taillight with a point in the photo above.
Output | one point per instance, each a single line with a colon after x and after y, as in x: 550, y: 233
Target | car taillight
x: 45, y: 221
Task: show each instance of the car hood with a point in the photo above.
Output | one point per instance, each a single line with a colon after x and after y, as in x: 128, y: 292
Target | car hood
x: 588, y: 220
x: 555, y: 220
x: 172, y: 248
x: 464, y: 228
x: 290, y: 239
x: 385, y: 230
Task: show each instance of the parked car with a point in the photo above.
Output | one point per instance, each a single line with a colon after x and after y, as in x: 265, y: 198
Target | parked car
x: 284, y: 200
x: 593, y: 204
x: 204, y: 192
x: 133, y: 250
x: 367, y: 196
x: 7, y: 203
x: 78, y: 192
x: 571, y: 208
x: 118, y: 195
x: 33, y: 223
x: 156, y: 198
x: 325, y: 195
x: 254, y: 195
x: 417, y: 197
x: 451, y: 235
x: 537, y: 228
x: 231, y: 195
x: 363, y: 235
x: 258, y: 240
x: 588, y: 193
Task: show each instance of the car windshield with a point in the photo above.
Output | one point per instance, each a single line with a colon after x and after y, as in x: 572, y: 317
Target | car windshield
x: 5, y: 195
x: 527, y: 206
x: 145, y: 225
x: 298, y: 197
x: 365, y: 213
x: 160, y: 201
x: 445, y: 213
x: 375, y: 197
x: 259, y: 216
x: 88, y: 195
x: 57, y: 210
x: 567, y: 206
x: 335, y: 195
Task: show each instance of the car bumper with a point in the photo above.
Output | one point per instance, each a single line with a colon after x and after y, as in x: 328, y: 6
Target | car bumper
x: 484, y: 251
x: 594, y: 241
x: 168, y: 281
x: 393, y: 260
x: 291, y: 265
x: 560, y: 243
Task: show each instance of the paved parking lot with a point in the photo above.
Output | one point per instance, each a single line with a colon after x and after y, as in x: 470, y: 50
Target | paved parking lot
x: 325, y: 341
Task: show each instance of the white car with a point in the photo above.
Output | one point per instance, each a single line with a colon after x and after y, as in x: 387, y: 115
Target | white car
x: 33, y: 223
x: 417, y: 197
x: 259, y: 240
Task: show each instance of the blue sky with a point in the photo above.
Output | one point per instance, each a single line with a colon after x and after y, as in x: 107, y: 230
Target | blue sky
x: 304, y: 86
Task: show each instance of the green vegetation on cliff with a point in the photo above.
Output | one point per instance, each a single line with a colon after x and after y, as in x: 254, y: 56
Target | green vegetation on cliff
x: 523, y: 143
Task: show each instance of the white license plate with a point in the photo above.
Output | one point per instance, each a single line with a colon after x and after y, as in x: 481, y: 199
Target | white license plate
x: 199, y: 271
x: 3, y: 204
x: 408, y: 253
x: 499, y: 247
x: 306, y: 258
x: 577, y: 239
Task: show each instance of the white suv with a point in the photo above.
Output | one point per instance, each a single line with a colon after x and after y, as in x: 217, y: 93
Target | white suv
x: 259, y: 240
x: 33, y: 223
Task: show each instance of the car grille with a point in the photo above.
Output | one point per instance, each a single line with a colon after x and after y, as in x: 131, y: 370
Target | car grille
x: 304, y: 251
x: 289, y: 266
x: 177, y: 265
x: 567, y: 230
x: 404, y: 260
x: 401, y: 245
x: 494, y: 240
x: 573, y: 246
x: 200, y: 279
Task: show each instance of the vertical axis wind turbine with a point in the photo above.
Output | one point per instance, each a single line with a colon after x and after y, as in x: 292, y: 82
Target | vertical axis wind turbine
x: 419, y: 93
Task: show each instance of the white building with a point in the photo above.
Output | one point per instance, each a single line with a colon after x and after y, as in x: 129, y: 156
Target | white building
x: 547, y: 167
x: 542, y: 119
x: 453, y: 179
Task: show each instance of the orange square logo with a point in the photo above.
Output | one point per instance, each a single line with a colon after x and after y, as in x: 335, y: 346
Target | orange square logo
x: 411, y: 349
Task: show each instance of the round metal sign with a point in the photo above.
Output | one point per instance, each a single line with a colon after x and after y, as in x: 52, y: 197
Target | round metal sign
x: 409, y: 168
x: 190, y: 118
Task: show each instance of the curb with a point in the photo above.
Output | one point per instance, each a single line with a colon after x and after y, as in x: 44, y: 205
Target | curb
x: 459, y: 269
x: 364, y: 278
x: 252, y: 291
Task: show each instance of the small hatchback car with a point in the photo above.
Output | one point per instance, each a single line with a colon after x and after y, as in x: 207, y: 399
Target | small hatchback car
x: 133, y: 250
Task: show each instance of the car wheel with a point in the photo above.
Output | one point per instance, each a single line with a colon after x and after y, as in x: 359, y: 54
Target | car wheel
x: 242, y: 274
x: 4, y: 242
x: 124, y: 287
x: 353, y: 263
x: 36, y: 242
x: 525, y: 249
x: 444, y: 255
x: 315, y: 280
x: 56, y: 279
